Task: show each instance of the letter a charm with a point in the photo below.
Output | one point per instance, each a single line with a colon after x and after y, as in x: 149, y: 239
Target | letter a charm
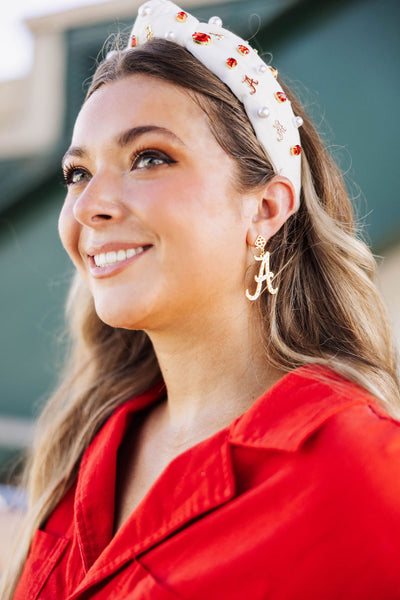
x: 264, y: 274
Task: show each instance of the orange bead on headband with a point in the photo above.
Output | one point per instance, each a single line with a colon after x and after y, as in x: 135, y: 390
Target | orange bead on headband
x: 252, y: 81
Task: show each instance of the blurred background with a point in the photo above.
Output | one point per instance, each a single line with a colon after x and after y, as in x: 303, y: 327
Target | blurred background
x: 342, y: 58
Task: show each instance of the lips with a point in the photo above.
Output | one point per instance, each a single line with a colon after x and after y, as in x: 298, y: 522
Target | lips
x: 110, y: 258
x: 106, y: 259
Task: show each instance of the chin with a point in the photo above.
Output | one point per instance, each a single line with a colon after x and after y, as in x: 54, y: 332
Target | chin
x: 118, y: 315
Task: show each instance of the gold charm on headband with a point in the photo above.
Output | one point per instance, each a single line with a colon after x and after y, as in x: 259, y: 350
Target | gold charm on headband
x: 280, y: 130
x: 264, y: 274
x: 274, y: 71
x: 218, y: 36
x: 149, y: 33
x: 251, y: 83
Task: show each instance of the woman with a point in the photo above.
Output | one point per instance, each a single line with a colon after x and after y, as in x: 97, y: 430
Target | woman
x: 220, y: 431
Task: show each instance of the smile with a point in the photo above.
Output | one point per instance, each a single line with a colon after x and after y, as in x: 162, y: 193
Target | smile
x: 107, y: 259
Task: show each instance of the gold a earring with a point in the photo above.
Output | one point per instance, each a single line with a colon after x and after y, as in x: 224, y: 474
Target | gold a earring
x: 264, y: 274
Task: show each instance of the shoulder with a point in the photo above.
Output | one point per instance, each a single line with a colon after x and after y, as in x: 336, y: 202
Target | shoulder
x: 315, y: 414
x: 349, y: 420
x: 360, y: 443
x: 317, y: 465
x: 302, y: 402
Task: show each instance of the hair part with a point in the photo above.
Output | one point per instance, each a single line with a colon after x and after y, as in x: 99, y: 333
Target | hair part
x: 328, y: 310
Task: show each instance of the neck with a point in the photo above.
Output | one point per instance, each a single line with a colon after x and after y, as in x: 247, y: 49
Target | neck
x: 213, y: 372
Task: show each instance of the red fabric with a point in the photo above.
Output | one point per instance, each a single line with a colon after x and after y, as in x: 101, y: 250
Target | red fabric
x: 297, y: 499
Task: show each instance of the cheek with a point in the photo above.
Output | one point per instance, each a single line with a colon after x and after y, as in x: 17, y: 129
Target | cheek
x: 68, y: 229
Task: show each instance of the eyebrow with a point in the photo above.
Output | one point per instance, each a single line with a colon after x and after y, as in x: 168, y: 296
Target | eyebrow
x: 124, y: 139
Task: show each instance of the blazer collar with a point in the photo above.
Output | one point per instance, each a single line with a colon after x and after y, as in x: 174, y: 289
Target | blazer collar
x: 296, y: 406
x: 194, y: 483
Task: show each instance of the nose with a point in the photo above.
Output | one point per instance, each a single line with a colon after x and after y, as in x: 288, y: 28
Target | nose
x: 100, y: 201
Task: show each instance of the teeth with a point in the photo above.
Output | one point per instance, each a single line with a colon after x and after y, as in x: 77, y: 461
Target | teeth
x: 111, y: 258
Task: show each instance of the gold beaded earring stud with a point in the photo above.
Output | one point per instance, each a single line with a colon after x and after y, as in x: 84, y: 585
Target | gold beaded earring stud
x: 264, y: 274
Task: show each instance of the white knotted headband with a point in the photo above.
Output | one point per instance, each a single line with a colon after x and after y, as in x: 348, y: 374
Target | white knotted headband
x: 231, y: 59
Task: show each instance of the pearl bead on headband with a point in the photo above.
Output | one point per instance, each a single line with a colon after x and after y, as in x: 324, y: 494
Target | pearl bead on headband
x: 252, y: 81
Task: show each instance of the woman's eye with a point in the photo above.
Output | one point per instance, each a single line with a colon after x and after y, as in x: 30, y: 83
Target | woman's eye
x: 75, y: 175
x: 148, y: 161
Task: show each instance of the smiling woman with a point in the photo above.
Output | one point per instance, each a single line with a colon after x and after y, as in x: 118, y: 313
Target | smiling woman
x: 226, y: 424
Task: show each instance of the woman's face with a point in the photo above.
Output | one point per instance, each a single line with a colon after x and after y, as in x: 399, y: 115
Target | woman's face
x: 151, y: 219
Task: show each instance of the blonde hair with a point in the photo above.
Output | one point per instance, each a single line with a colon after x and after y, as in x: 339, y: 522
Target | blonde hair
x: 328, y: 310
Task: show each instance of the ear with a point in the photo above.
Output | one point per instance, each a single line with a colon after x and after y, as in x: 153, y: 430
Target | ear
x: 275, y: 203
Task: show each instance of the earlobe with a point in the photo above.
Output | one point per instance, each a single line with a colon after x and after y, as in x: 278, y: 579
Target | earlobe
x: 276, y: 203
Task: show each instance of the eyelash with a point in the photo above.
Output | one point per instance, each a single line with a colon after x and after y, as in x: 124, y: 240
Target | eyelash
x: 69, y: 171
x: 72, y: 169
x: 150, y: 153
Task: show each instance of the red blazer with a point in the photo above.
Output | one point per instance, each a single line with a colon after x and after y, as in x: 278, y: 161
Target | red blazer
x: 299, y: 499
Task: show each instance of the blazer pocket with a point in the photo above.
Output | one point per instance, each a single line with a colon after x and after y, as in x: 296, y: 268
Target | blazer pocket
x: 45, y: 553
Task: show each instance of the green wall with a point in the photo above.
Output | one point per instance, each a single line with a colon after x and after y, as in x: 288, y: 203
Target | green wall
x: 34, y: 274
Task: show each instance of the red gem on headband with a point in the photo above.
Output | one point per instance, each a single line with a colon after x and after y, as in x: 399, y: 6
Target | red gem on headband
x: 134, y: 41
x: 201, y: 38
x: 280, y: 96
x: 295, y: 150
x: 243, y: 50
x: 181, y: 16
x: 231, y: 62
